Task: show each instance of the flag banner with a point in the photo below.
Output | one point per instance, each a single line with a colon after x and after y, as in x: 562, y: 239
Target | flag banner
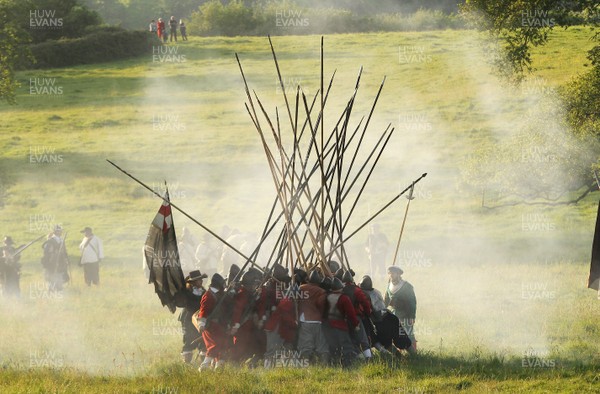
x: 162, y: 258
x: 594, y: 280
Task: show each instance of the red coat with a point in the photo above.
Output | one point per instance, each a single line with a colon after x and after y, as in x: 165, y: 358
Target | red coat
x: 283, y: 319
x: 160, y: 27
x: 214, y: 335
x: 345, y: 306
x: 313, y: 306
x: 362, y: 303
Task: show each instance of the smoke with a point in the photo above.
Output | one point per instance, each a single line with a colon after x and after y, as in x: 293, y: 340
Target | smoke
x: 485, y: 278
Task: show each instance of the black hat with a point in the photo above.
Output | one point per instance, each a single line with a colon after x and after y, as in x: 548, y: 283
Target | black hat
x: 86, y: 230
x: 333, y: 266
x: 337, y: 284
x: 326, y: 283
x: 347, y: 277
x: 195, y: 275
x: 217, y: 281
x: 366, y: 283
x: 233, y: 271
x: 339, y: 273
x: 252, y: 276
x: 300, y: 276
x: 280, y: 273
x: 8, y: 240
x: 315, y: 277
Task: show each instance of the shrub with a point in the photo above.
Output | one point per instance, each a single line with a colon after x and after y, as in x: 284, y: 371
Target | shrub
x: 104, y: 44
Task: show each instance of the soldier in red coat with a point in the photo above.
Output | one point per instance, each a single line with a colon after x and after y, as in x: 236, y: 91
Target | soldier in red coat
x: 362, y: 308
x: 211, y: 325
x: 311, y: 308
x: 341, y: 317
x: 280, y: 326
x: 244, y: 324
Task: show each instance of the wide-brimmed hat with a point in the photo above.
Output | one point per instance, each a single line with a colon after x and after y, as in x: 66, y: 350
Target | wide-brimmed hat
x: 393, y: 268
x: 195, y: 275
x: 86, y: 230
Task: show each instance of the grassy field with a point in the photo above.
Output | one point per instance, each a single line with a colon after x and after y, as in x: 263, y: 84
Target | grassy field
x: 502, y: 298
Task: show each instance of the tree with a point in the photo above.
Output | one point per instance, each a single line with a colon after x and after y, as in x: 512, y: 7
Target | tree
x: 556, y: 163
x: 13, y: 50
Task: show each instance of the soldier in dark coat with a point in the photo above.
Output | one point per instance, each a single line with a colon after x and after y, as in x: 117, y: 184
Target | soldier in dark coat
x: 193, y: 296
x: 10, y: 269
x: 401, y: 300
x: 385, y: 329
x: 55, y: 260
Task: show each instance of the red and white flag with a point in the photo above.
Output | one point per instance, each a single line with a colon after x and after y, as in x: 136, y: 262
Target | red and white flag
x: 162, y: 257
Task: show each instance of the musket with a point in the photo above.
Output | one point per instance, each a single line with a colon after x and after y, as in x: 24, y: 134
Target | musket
x: 21, y: 248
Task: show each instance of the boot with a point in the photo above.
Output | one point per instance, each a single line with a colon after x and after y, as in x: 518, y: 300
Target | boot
x: 206, y: 364
x: 187, y: 356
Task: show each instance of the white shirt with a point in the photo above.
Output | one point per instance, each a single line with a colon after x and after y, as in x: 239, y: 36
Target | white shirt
x: 91, y: 252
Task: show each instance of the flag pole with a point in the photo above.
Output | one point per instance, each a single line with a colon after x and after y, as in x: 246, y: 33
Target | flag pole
x: 185, y: 214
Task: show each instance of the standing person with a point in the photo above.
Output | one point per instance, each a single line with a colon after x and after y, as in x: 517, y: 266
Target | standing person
x: 160, y: 30
x: 152, y: 27
x: 362, y: 309
x: 10, y: 269
x: 55, y: 260
x: 183, y: 30
x: 91, y: 255
x: 193, y: 296
x: 173, y: 29
x: 401, y: 300
x: 244, y: 324
x: 311, y: 308
x: 341, y: 317
x: 212, y: 325
x: 377, y: 248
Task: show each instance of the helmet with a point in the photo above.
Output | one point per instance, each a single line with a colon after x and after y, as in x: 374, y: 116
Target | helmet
x: 366, y: 283
x: 337, y: 284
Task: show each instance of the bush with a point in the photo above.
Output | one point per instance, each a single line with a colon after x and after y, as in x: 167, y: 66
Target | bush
x: 101, y: 46
x: 286, y: 17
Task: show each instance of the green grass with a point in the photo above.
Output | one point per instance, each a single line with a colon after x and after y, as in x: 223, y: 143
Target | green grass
x: 472, y: 268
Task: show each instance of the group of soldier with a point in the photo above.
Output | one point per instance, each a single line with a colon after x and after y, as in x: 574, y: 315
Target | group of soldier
x: 55, y: 261
x: 312, y: 318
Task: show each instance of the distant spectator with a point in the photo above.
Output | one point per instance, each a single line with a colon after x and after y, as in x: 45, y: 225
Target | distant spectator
x: 152, y: 27
x: 161, y: 30
x: 183, y: 30
x: 173, y: 28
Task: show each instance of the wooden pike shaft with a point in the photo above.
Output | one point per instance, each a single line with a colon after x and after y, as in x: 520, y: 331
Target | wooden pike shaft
x: 410, y: 197
x: 185, y: 214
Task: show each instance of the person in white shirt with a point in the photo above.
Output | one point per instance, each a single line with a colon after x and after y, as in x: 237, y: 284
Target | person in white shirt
x: 91, y: 255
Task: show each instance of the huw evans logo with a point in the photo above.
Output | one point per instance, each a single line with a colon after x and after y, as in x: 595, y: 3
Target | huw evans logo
x: 44, y: 87
x: 42, y: 223
x: 290, y: 18
x: 167, y: 122
x: 537, y: 18
x: 44, y: 155
x: 45, y: 359
x: 44, y: 19
x: 534, y: 359
x: 290, y: 86
x: 413, y: 54
x: 537, y: 222
x: 167, y: 54
x: 41, y: 291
